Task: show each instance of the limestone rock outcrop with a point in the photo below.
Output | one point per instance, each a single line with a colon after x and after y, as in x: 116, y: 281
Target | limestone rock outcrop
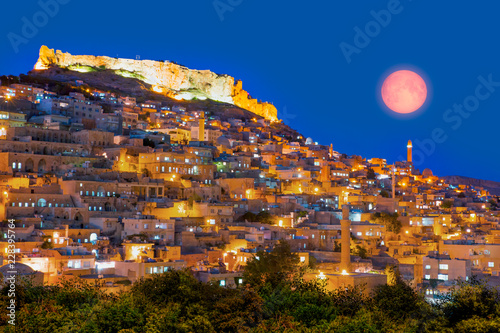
x: 172, y: 79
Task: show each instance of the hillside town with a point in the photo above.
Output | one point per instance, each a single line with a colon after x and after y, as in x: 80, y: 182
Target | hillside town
x: 112, y: 188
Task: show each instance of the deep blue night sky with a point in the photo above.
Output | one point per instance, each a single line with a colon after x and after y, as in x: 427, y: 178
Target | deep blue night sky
x: 288, y: 53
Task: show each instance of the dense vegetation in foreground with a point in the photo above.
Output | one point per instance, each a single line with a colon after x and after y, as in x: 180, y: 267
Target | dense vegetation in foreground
x: 275, y: 300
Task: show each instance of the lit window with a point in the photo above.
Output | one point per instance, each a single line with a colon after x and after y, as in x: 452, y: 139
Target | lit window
x: 443, y: 266
x: 427, y: 266
x: 491, y: 264
x: 359, y: 233
x: 222, y: 283
x: 427, y: 277
x: 443, y: 277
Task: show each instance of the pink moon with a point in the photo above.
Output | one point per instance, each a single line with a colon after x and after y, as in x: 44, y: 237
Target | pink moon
x: 404, y: 91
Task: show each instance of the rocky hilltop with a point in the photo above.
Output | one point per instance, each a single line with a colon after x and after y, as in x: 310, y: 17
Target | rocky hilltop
x: 166, y: 77
x: 493, y: 187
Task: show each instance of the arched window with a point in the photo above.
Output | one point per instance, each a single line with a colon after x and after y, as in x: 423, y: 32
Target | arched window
x: 42, y: 203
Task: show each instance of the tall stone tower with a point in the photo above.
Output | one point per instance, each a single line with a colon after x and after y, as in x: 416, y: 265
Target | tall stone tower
x: 201, y: 126
x: 409, y: 157
x: 345, y: 255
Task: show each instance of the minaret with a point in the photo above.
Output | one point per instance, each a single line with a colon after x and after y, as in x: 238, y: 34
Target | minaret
x: 201, y: 130
x: 394, y: 203
x: 393, y: 182
x: 409, y: 147
x: 345, y: 254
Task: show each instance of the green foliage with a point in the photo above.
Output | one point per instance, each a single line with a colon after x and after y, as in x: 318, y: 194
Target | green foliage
x: 470, y: 299
x: 447, y: 204
x: 262, y: 217
x: 176, y: 302
x: 274, y: 268
x: 47, y: 245
x: 390, y: 220
x: 145, y: 172
x: 302, y: 213
x: 398, y: 301
x: 384, y: 194
x: 265, y: 217
x: 493, y: 203
x: 360, y: 251
x: 337, y: 246
x: 478, y: 325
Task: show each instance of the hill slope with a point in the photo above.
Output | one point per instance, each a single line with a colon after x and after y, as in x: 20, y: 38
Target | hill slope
x: 493, y: 187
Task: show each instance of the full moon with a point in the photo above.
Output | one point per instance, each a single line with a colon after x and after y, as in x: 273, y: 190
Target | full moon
x: 404, y: 91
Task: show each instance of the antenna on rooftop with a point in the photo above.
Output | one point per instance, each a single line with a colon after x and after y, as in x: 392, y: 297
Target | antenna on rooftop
x: 137, y: 57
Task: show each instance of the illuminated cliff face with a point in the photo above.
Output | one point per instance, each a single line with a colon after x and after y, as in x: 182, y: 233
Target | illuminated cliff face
x: 171, y: 79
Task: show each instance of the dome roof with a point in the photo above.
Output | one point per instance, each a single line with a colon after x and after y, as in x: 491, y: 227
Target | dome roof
x: 223, y: 141
x: 427, y: 173
x: 309, y: 141
x: 21, y: 269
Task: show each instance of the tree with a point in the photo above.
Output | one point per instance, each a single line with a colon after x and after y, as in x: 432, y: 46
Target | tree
x: 390, y: 220
x: 264, y: 217
x: 302, y: 213
x: 248, y: 216
x: 360, y: 251
x: 384, y: 194
x: 337, y: 246
x: 398, y: 301
x: 470, y: 299
x: 447, y: 204
x: 47, y: 245
x: 146, y: 172
x: 370, y: 174
x: 192, y: 199
x: 148, y: 142
x: 273, y: 268
x: 393, y: 275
